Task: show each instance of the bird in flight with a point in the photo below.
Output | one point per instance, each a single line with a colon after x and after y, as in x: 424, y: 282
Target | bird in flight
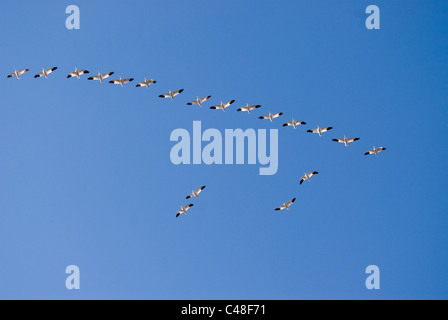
x: 249, y: 108
x: 171, y: 94
x: 17, y: 73
x: 320, y: 130
x: 375, y: 150
x: 286, y: 205
x: 45, y: 72
x: 271, y: 116
x: 77, y: 73
x: 308, y: 176
x: 346, y: 140
x: 146, y: 83
x: 100, y: 76
x: 199, y: 101
x: 121, y: 81
x: 195, y: 193
x: 183, y: 209
x: 223, y: 106
x: 294, y: 123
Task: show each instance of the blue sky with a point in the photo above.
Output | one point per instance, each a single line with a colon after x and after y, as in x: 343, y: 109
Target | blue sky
x: 86, y: 178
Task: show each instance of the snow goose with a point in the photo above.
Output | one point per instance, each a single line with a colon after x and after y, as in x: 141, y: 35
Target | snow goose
x: 195, y: 193
x: 17, y: 73
x: 171, y: 94
x: 183, y: 209
x: 223, y: 106
x: 308, y: 176
x: 294, y: 123
x: 100, y: 77
x: 45, y: 72
x: 121, y: 81
x: 320, y: 130
x: 286, y: 205
x: 146, y: 83
x: 345, y: 140
x: 249, y: 108
x: 375, y: 150
x: 77, y: 73
x: 199, y: 101
x: 271, y: 116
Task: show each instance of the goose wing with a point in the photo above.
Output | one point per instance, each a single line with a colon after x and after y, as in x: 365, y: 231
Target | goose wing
x: 175, y: 93
x: 266, y: 116
x: 280, y: 208
x: 339, y: 140
x: 352, y: 139
x: 23, y: 71
x: 288, y: 124
x: 326, y: 129
x: 165, y: 95
x: 275, y: 115
x: 313, y: 131
x: 291, y: 202
x: 228, y: 103
x: 200, y: 189
x: 106, y: 75
x: 40, y: 74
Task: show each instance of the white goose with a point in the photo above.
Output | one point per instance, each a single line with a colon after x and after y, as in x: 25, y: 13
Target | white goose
x: 345, y: 140
x: 320, y: 130
x: 45, y: 72
x: 77, y: 73
x: 195, y: 193
x: 271, y: 116
x: 249, y: 108
x: 171, y: 94
x: 146, y: 83
x: 223, y: 106
x: 183, y: 209
x: 17, y: 73
x: 100, y: 77
x: 121, y: 81
x: 286, y: 205
x: 308, y: 176
x: 294, y: 123
x: 375, y: 150
x: 199, y: 101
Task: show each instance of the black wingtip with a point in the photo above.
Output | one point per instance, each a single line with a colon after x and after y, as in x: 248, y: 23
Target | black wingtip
x: 335, y: 140
x: 232, y: 101
x: 161, y: 96
x: 309, y: 131
x: 277, y: 209
x: 293, y: 200
x: 329, y: 128
x: 285, y: 125
x: 260, y: 118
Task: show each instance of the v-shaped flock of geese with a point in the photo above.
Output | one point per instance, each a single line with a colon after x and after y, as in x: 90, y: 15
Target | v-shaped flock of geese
x: 200, y: 101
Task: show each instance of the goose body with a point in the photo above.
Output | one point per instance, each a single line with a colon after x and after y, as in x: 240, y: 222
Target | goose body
x: 249, y: 108
x: 100, y: 77
x: 199, y: 101
x: 308, y: 176
x: 320, y: 130
x: 171, y: 94
x: 17, y: 73
x: 286, y: 205
x: 121, y: 81
x: 183, y: 209
x: 346, y: 140
x: 195, y: 193
x: 45, y: 72
x: 222, y: 106
x: 271, y: 116
x: 77, y: 73
x: 294, y: 123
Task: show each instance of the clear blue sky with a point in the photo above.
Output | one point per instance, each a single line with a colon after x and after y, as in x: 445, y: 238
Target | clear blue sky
x: 86, y: 178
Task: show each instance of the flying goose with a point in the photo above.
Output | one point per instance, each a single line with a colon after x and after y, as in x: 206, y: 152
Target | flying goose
x: 346, y: 140
x: 45, y: 73
x: 100, y: 76
x: 146, y: 83
x: 77, y: 73
x: 195, y: 193
x: 320, y: 130
x: 171, y: 94
x: 17, y: 73
x: 199, y: 101
x: 249, y: 108
x: 223, y: 106
x: 308, y: 176
x: 294, y: 123
x: 375, y: 150
x: 121, y: 81
x: 271, y: 116
x: 285, y: 205
x: 183, y: 209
